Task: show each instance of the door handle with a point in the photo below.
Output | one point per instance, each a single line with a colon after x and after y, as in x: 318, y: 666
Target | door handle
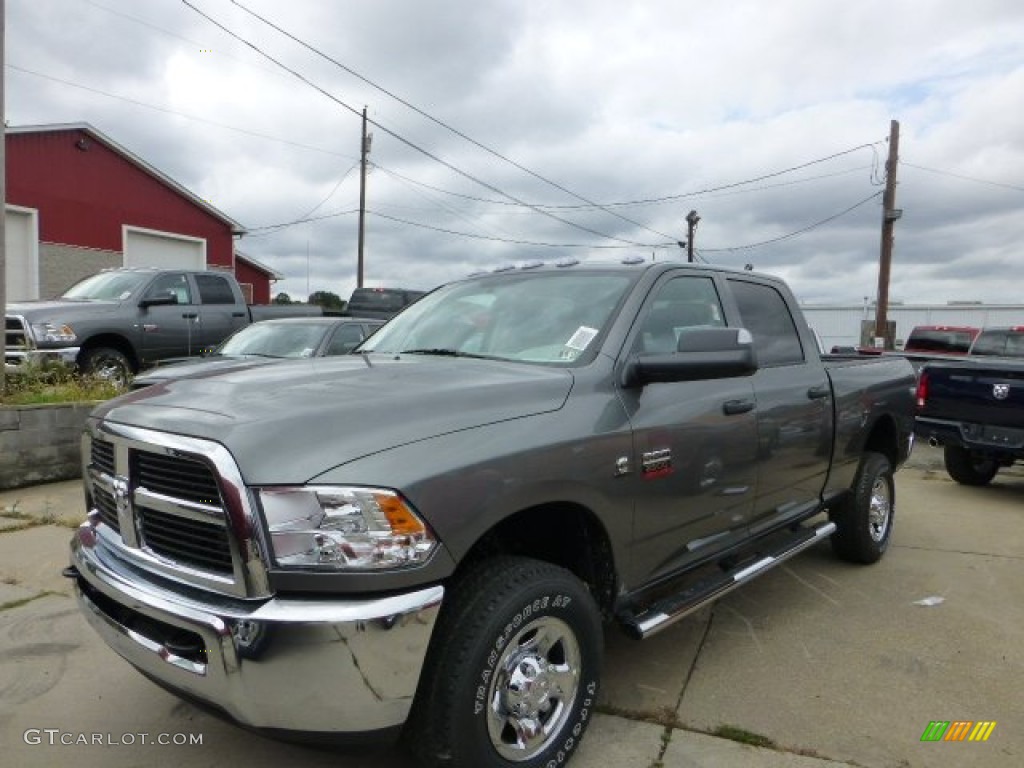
x: 238, y: 314
x: 818, y: 392
x: 735, y: 407
x: 190, y: 315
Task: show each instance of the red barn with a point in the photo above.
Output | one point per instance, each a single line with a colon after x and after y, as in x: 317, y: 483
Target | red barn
x: 78, y: 202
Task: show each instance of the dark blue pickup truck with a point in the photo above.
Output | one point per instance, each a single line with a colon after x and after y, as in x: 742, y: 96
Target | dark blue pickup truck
x: 425, y: 536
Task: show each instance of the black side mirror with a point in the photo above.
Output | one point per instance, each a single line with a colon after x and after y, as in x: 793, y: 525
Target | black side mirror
x: 702, y: 353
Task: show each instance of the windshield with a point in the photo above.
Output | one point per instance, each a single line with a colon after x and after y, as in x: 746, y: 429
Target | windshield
x: 542, y: 318
x: 275, y: 340
x: 107, y: 286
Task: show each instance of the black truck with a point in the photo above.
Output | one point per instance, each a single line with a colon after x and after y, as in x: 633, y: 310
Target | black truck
x: 119, y: 321
x: 425, y: 537
x: 974, y: 408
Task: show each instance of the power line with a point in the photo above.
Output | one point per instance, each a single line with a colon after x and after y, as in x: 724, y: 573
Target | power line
x: 313, y: 49
x: 964, y: 177
x: 273, y: 229
x: 797, y: 232
x: 167, y: 111
x: 405, y: 141
x: 513, y: 241
x: 719, y: 191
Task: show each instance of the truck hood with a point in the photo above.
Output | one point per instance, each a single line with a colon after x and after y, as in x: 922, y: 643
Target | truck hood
x: 60, y: 310
x: 207, y: 366
x: 289, y: 422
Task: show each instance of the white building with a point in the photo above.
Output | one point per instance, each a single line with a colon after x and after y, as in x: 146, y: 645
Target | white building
x: 840, y: 324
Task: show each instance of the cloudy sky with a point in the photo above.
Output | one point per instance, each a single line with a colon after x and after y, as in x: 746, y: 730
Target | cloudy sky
x: 507, y: 131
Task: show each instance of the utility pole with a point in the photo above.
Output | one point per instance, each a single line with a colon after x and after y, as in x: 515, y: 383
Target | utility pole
x: 3, y: 188
x: 363, y: 152
x: 691, y: 224
x: 890, y: 213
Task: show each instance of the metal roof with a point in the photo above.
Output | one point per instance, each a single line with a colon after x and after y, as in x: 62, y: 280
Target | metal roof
x: 273, y: 273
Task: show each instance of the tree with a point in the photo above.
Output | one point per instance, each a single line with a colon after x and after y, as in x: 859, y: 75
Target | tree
x: 283, y: 298
x: 327, y: 300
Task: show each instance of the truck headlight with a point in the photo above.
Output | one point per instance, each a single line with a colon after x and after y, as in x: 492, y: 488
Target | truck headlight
x: 344, y: 528
x: 54, y: 333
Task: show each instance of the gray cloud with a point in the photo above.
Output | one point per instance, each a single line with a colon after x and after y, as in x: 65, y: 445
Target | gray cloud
x: 614, y: 102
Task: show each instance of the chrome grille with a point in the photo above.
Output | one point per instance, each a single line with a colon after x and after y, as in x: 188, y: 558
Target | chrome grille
x: 177, y: 476
x: 102, y: 456
x: 16, y: 339
x: 107, y: 507
x: 162, y: 501
x: 184, y: 540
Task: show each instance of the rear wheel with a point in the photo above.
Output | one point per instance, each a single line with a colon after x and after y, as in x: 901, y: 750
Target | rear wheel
x: 513, y: 671
x: 969, y: 468
x: 864, y: 518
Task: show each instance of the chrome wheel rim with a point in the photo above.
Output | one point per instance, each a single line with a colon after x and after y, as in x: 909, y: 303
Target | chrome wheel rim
x: 534, y: 687
x: 879, y: 509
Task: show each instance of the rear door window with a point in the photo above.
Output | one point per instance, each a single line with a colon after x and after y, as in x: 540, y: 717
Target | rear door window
x: 764, y: 312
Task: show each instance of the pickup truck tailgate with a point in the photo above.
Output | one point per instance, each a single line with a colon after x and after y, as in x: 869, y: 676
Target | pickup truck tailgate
x: 989, y: 392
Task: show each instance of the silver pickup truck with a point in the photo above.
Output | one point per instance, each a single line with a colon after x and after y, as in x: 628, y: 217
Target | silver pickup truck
x: 119, y: 321
x: 425, y: 537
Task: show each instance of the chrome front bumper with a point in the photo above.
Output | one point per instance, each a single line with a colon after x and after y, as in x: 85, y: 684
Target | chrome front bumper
x: 15, y: 360
x: 309, y: 665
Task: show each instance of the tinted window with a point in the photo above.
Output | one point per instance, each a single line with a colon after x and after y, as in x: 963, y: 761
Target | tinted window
x: 679, y: 304
x: 1009, y: 343
x: 214, y: 289
x: 764, y: 313
x: 380, y: 299
x: 174, y: 284
x: 938, y: 340
x: 345, y: 339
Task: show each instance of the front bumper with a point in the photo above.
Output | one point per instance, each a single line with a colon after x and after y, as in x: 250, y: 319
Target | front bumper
x: 340, y: 667
x: 15, y: 360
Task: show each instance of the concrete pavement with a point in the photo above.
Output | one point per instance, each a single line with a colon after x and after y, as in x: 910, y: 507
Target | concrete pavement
x: 822, y: 662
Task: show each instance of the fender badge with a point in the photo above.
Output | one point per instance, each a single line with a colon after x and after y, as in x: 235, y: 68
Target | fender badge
x: 1001, y: 391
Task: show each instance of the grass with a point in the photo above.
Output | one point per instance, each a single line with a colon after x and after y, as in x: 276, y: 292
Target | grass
x: 50, y: 383
x: 743, y: 736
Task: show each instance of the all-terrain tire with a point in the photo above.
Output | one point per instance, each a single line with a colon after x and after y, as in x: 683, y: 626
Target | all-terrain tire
x: 968, y: 468
x: 512, y: 675
x: 864, y: 518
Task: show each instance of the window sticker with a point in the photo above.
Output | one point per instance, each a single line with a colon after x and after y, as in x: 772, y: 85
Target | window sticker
x: 582, y: 338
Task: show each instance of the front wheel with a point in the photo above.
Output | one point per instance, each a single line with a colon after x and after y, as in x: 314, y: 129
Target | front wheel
x: 108, y: 364
x: 865, y: 516
x: 513, y: 671
x: 968, y: 468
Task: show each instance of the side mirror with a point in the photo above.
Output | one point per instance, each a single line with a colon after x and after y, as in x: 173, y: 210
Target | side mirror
x: 701, y: 354
x: 160, y: 300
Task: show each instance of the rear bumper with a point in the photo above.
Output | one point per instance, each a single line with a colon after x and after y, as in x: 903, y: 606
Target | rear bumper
x: 337, y: 667
x: 1003, y: 443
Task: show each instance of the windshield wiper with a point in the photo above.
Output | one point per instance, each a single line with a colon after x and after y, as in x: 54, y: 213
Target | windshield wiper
x: 441, y: 352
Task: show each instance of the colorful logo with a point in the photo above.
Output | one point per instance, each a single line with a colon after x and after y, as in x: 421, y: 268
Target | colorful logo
x: 958, y: 730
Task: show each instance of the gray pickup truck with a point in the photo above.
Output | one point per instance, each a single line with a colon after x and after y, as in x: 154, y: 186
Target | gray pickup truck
x: 426, y: 536
x: 118, y: 321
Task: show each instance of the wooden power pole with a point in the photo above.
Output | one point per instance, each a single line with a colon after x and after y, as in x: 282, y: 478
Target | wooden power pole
x: 691, y: 225
x: 364, y: 150
x: 890, y: 213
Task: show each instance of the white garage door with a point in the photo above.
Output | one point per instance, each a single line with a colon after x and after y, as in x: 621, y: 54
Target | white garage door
x: 146, y: 248
x: 22, y: 259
